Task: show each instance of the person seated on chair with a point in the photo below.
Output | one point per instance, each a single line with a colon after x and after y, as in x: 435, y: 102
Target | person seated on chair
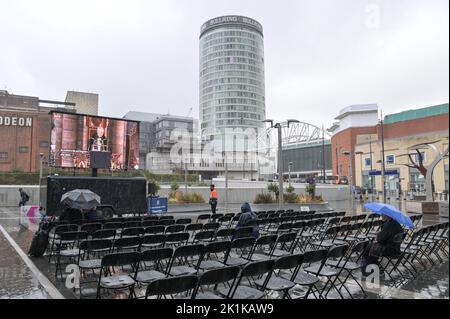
x: 248, y: 219
x: 387, y: 243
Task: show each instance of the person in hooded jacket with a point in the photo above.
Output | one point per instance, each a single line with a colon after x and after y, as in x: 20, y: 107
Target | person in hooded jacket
x: 248, y: 219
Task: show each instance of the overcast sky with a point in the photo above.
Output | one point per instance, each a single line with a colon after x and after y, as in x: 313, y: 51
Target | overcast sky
x: 320, y: 55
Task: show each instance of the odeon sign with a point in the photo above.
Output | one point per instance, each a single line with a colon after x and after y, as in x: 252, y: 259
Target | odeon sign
x: 16, y: 121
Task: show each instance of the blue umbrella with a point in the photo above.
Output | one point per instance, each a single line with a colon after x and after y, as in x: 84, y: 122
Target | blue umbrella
x: 392, y: 212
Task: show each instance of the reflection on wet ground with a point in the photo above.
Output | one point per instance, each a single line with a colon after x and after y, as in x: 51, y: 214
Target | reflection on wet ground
x: 17, y: 281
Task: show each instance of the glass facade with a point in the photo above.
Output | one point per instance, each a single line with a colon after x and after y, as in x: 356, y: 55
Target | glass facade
x: 232, y: 81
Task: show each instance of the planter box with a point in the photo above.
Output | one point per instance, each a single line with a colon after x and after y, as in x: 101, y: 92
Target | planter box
x: 422, y: 207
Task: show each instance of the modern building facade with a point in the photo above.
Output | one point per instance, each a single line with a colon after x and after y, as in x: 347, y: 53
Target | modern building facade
x: 305, y: 160
x: 404, y: 133
x: 25, y: 127
x: 155, y: 138
x: 86, y: 103
x: 232, y: 80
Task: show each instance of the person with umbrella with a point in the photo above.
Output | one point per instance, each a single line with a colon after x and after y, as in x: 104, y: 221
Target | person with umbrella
x: 78, y: 201
x: 391, y: 235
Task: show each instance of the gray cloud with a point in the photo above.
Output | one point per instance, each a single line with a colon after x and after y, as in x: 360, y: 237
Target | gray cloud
x: 143, y: 55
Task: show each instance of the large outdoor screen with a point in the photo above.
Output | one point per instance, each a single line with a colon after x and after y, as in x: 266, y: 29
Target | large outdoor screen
x: 75, y: 136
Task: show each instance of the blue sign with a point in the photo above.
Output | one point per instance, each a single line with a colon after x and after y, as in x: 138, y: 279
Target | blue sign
x: 157, y: 205
x: 387, y: 173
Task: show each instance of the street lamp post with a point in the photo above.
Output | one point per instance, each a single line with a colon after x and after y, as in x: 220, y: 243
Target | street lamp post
x: 41, y: 158
x: 290, y: 167
x: 279, y: 127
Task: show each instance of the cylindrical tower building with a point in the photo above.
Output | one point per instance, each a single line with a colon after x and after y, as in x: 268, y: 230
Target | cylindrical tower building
x: 232, y: 86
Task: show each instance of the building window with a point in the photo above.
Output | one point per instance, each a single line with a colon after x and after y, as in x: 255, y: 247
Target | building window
x: 368, y: 162
x: 390, y: 159
x: 3, y: 156
x: 417, y: 158
x: 43, y: 144
x: 23, y: 149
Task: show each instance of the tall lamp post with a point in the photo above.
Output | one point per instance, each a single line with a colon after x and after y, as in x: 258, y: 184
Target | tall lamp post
x: 41, y: 158
x: 279, y: 127
x: 290, y: 167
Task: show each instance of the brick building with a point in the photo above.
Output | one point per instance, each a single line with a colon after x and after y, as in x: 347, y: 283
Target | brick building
x: 402, y: 133
x: 25, y: 131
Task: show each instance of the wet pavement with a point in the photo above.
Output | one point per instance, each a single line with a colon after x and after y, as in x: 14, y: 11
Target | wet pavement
x: 18, y: 281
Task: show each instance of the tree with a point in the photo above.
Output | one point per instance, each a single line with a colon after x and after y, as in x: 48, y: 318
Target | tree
x: 273, y: 188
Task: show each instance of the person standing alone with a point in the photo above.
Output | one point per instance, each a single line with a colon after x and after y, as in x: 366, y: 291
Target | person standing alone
x: 24, y: 197
x: 213, y: 199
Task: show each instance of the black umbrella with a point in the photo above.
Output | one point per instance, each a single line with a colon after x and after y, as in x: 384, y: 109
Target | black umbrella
x: 82, y: 199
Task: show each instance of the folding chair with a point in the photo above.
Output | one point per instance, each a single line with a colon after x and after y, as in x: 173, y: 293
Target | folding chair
x: 183, y: 221
x: 211, y: 226
x: 278, y: 283
x: 284, y: 245
x: 177, y: 239
x: 54, y: 236
x: 214, y: 255
x: 152, y: 241
x: 126, y: 244
x: 132, y: 232
x: 150, y: 222
x: 263, y: 247
x: 153, y: 230
x: 225, y: 234
x: 204, y: 236
x: 193, y: 228
x: 239, y: 248
x: 250, y: 272
x: 118, y: 282
x: 166, y: 222
x: 351, y: 265
x: 104, y: 234
x: 67, y: 244
x: 216, y: 277
x: 203, y: 218
x: 91, y: 228
x: 186, y: 260
x: 172, y: 287
x: 90, y: 259
x: 153, y: 265
x: 331, y: 274
x: 305, y: 279
x: 175, y: 229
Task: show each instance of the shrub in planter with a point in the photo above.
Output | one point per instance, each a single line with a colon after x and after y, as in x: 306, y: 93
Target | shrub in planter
x: 264, y: 198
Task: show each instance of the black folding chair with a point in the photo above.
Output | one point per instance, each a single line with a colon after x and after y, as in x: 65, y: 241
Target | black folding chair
x: 132, y: 232
x: 68, y: 248
x: 177, y: 239
x: 221, y: 276
x: 110, y: 279
x: 104, y: 234
x: 186, y: 260
x: 152, y: 241
x: 173, y: 287
x: 331, y: 274
x: 153, y: 265
x: 250, y: 273
x: 263, y: 247
x: 215, y: 254
x: 175, y: 229
x: 239, y: 251
x: 277, y: 282
x: 127, y: 244
x: 183, y: 221
x: 305, y: 279
x: 90, y: 259
x: 153, y: 230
